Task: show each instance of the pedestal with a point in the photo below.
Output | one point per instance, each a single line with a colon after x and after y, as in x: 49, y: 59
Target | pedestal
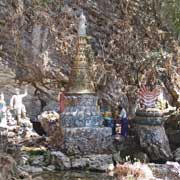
x: 152, y: 136
x: 87, y: 140
x: 81, y: 111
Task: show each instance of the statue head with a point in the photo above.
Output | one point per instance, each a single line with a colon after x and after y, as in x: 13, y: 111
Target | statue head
x: 17, y: 90
x: 82, y: 18
x: 62, y: 89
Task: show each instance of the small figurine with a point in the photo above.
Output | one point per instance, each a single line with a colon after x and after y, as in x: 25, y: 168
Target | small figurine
x: 161, y: 102
x: 82, y: 25
x: 3, y: 120
x: 17, y: 105
x: 61, y: 100
x: 124, y: 121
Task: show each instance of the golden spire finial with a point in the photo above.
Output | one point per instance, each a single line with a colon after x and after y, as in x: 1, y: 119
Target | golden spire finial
x: 80, y: 78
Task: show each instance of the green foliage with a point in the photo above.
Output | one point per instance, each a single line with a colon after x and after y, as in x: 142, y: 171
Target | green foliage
x: 45, y: 3
x: 36, y: 152
x: 171, y: 14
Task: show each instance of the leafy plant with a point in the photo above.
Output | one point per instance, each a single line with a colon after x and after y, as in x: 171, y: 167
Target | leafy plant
x: 171, y: 15
x: 45, y: 2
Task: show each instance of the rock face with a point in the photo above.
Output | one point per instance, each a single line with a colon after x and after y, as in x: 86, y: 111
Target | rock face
x: 152, y: 136
x: 3, y: 139
x: 84, y: 141
x: 46, y: 45
x: 172, y: 126
x: 7, y: 166
x: 177, y: 155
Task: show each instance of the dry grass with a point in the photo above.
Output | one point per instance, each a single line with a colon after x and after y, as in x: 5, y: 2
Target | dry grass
x: 136, y: 171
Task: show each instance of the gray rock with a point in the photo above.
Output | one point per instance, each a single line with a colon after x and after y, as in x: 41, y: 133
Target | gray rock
x: 51, y: 106
x: 60, y: 161
x: 24, y: 160
x: 169, y: 171
x: 117, y: 157
x: 31, y: 169
x: 79, y: 163
x: 173, y: 136
x: 177, y: 155
x: 49, y: 168
x: 38, y: 178
x: 35, y: 169
x: 37, y: 160
x: 99, y: 162
x: 155, y: 142
x: 142, y: 157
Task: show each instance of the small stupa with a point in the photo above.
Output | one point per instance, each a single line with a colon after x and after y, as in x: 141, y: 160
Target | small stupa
x: 81, y: 100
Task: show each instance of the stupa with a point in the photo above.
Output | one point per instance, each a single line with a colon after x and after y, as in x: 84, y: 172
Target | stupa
x: 81, y: 100
x: 81, y: 120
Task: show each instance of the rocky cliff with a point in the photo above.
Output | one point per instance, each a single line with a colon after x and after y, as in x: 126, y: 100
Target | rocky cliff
x: 128, y: 38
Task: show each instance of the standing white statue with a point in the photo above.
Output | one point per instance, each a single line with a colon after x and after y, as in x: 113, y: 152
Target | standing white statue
x: 3, y: 120
x: 17, y: 105
x: 82, y: 25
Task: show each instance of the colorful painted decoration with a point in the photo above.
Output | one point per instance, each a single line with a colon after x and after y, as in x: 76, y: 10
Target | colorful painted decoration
x: 148, y: 97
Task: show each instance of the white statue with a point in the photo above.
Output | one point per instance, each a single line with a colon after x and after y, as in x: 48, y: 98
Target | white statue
x: 17, y: 105
x: 3, y: 120
x: 82, y: 25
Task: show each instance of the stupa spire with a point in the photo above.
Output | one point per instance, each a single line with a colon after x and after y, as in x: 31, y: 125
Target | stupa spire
x: 80, y: 77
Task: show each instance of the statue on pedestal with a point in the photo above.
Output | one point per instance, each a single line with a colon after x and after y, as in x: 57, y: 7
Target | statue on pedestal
x: 81, y: 120
x: 82, y: 25
x: 149, y: 122
x: 17, y: 105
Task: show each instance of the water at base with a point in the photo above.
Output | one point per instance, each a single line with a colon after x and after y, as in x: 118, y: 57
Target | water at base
x: 75, y: 175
